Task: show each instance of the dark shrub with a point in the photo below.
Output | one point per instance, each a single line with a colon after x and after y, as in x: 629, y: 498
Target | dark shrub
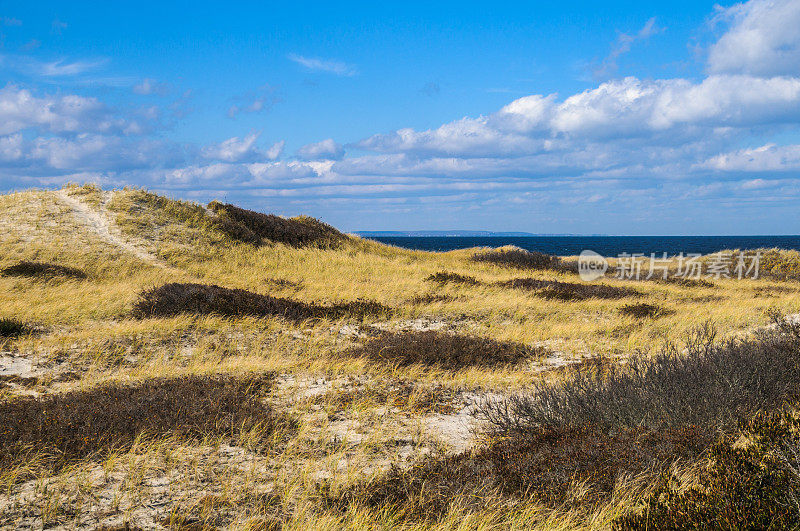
x: 687, y: 282
x: 41, y: 270
x: 752, y: 486
x: 712, y: 385
x: 12, y: 328
x: 440, y: 349
x: 444, y: 277
x: 644, y: 310
x: 544, y: 465
x: 569, y: 291
x: 78, y: 424
x: 518, y: 258
x: 176, y: 298
x: 299, y: 231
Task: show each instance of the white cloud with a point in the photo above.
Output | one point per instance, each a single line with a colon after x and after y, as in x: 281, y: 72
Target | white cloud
x: 65, y: 68
x: 326, y: 149
x: 242, y: 150
x: 330, y: 66
x: 20, y: 109
x: 767, y: 158
x: 762, y: 39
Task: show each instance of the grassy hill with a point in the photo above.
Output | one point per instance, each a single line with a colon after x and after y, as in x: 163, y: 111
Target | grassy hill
x: 165, y: 364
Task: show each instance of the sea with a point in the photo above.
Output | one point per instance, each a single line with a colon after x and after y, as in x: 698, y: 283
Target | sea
x: 604, y: 245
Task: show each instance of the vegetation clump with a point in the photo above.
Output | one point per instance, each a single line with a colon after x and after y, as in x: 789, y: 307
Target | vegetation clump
x: 78, y: 424
x: 443, y: 350
x: 712, y: 385
x: 755, y: 485
x: 545, y: 466
x: 12, y: 328
x: 644, y: 310
x: 41, y: 270
x: 569, y: 291
x: 177, y: 298
x: 445, y: 277
x: 299, y: 231
x: 518, y: 258
x: 597, y: 427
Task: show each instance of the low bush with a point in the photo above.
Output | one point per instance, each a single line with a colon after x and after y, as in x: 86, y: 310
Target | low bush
x: 779, y: 264
x: 687, y: 282
x: 298, y: 231
x: 439, y: 349
x: 755, y: 485
x: 13, y: 328
x: 518, y: 258
x: 644, y: 310
x: 41, y: 270
x: 713, y: 385
x: 78, y: 424
x: 569, y: 291
x: 176, y: 298
x: 445, y: 277
x: 545, y: 466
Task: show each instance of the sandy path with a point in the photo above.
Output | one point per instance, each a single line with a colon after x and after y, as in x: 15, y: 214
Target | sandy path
x: 100, y: 224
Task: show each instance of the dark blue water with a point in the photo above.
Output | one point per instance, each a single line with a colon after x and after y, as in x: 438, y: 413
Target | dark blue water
x: 605, y: 245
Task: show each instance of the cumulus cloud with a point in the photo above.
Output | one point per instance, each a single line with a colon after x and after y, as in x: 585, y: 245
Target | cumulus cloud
x: 762, y: 39
x: 20, y: 109
x: 674, y: 110
x: 242, y: 150
x: 329, y: 66
x: 326, y: 149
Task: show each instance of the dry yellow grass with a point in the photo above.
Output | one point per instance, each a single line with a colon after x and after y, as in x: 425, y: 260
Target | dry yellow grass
x: 84, y: 329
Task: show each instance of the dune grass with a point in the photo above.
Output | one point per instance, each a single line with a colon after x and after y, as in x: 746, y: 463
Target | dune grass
x: 364, y: 384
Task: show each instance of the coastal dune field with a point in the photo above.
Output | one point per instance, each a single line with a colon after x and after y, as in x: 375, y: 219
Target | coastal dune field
x: 170, y: 365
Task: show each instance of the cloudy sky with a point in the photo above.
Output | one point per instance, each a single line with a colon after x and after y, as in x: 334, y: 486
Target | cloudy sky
x: 678, y: 117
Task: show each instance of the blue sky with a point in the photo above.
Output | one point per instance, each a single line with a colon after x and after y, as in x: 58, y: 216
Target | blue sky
x: 579, y: 117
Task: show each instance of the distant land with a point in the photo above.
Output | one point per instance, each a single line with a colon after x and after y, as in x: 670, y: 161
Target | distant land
x: 454, y: 234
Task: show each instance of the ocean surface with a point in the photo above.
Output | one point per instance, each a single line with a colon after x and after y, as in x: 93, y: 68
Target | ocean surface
x: 604, y: 245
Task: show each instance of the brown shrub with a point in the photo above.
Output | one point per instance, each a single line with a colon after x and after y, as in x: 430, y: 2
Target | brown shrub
x: 298, y: 231
x: 569, y: 291
x: 176, y: 298
x: 79, y: 424
x: 712, y: 385
x: 443, y: 350
x: 544, y: 466
x: 687, y: 282
x: 644, y: 310
x: 41, y: 270
x: 518, y: 258
x: 13, y: 328
x: 444, y: 277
